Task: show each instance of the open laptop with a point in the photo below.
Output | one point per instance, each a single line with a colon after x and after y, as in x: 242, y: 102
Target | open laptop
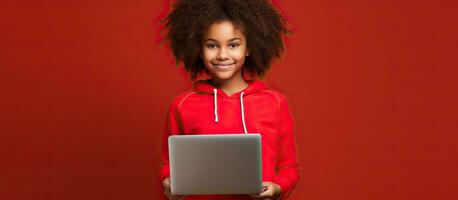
x: 215, y: 164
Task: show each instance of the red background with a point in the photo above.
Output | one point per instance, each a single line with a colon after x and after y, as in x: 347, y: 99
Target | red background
x: 372, y: 84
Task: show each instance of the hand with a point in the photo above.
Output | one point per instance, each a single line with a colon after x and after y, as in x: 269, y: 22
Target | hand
x: 168, y: 192
x: 270, y: 191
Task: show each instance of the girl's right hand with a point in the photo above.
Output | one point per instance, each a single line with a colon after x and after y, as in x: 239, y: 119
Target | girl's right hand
x: 168, y: 192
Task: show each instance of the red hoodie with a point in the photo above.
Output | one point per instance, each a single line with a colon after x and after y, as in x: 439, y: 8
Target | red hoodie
x: 207, y: 110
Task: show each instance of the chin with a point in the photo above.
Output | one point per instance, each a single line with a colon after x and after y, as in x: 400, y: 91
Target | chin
x: 222, y: 77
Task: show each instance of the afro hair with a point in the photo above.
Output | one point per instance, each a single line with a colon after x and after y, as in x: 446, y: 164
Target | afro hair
x: 260, y: 22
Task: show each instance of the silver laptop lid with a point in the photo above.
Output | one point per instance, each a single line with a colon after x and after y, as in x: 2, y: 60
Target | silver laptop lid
x: 215, y: 164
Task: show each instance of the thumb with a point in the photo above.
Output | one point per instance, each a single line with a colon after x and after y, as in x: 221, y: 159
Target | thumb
x: 166, y: 182
x: 262, y: 194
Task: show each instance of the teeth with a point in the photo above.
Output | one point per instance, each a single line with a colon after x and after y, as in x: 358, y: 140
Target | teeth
x: 223, y: 66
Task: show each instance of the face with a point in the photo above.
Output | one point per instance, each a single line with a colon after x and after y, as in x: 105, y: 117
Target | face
x: 224, y: 50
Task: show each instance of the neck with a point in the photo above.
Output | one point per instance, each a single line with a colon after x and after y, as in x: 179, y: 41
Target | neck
x: 231, y: 86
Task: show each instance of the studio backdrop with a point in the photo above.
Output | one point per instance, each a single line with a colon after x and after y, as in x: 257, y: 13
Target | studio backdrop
x: 84, y: 88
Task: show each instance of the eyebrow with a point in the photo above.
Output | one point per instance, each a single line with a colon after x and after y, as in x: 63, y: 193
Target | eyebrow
x: 213, y: 40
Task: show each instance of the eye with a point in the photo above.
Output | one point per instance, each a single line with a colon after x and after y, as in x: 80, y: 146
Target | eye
x: 233, y: 45
x: 211, y: 46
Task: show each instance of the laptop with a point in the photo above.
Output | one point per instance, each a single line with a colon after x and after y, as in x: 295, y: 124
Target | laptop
x: 215, y: 164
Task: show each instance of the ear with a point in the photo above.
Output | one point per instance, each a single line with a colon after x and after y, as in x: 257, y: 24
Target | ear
x: 247, y: 53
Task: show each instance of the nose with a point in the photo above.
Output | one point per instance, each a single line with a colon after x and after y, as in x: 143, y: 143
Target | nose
x: 222, y: 54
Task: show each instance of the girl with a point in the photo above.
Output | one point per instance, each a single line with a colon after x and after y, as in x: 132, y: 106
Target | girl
x: 234, y: 42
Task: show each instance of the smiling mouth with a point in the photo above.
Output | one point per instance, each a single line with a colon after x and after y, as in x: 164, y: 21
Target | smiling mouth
x: 223, y: 66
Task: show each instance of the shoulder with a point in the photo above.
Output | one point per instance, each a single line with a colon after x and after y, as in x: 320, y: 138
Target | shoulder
x: 283, y: 107
x: 180, y: 99
x: 278, y: 97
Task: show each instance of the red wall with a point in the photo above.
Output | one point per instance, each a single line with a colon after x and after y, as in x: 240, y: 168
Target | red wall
x: 372, y: 84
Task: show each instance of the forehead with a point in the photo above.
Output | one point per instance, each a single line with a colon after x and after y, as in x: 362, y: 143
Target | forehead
x: 222, y: 31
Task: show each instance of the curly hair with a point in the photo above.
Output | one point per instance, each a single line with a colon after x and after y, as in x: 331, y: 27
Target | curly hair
x: 260, y: 22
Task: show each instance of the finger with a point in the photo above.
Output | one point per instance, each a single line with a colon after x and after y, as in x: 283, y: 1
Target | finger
x: 166, y: 188
x: 168, y: 195
x: 254, y: 196
x: 166, y: 182
x: 267, y: 193
x: 257, y: 196
x: 167, y: 192
x: 177, y: 197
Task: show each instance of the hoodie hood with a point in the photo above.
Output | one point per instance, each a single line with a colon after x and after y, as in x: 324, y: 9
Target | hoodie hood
x: 204, y: 86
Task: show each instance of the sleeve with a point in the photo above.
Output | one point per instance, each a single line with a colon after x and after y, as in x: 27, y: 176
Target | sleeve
x: 172, y: 127
x: 287, y: 164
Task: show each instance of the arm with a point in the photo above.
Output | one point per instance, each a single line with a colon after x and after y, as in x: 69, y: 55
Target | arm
x: 172, y: 127
x: 287, y: 164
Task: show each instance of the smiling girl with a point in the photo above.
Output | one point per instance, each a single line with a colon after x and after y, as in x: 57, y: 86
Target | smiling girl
x: 235, y: 42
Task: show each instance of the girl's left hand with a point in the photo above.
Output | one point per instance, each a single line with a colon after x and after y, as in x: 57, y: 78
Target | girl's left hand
x: 271, y: 191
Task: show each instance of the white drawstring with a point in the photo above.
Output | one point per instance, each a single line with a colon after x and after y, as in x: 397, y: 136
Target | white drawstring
x: 215, y: 92
x: 243, y: 113
x: 215, y: 102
